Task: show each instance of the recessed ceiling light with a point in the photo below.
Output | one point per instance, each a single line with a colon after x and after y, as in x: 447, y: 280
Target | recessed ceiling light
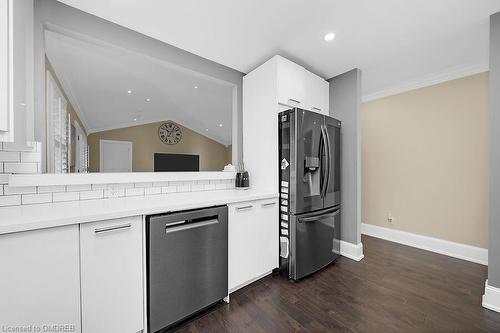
x: 148, y: 99
x: 206, y: 129
x: 129, y: 91
x: 329, y: 36
x: 220, y: 125
x: 135, y: 119
x: 195, y: 87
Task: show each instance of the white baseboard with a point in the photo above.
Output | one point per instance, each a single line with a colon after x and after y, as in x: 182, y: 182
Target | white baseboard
x: 351, y: 251
x: 452, y: 249
x: 491, y: 297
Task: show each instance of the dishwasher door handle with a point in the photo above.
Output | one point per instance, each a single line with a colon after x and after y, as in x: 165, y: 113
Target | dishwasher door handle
x: 170, y: 230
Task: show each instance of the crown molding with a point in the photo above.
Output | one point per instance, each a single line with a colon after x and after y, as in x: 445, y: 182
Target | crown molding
x: 431, y: 79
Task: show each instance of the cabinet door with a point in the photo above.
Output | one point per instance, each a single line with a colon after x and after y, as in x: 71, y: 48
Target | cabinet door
x: 111, y: 275
x: 244, y: 258
x: 317, y: 93
x: 291, y: 85
x: 4, y: 70
x: 40, y: 278
x: 268, y: 234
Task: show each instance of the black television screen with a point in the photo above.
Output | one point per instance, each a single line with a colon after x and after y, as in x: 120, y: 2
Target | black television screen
x: 176, y: 162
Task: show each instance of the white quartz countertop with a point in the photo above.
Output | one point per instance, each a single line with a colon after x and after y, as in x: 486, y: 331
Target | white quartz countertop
x: 31, y: 217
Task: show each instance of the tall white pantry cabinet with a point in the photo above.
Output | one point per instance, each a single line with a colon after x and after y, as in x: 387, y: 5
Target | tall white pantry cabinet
x: 277, y: 85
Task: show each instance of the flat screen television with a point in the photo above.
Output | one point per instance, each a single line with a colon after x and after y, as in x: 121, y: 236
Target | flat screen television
x: 176, y: 162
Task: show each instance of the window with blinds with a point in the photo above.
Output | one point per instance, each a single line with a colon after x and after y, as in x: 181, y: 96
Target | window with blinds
x: 58, y: 129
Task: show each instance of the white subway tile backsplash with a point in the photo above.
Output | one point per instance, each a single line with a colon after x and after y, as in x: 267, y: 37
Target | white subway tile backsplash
x: 65, y: 196
x: 10, y: 200
x: 22, y: 159
x: 30, y: 199
x: 209, y: 187
x: 12, y: 167
x: 4, y: 178
x: 11, y: 146
x: 73, y: 188
x: 130, y: 192
x: 31, y: 156
x: 143, y: 184
x: 10, y: 156
x: 169, y: 189
x: 123, y: 186
x: 47, y: 189
x: 95, y: 194
x: 184, y: 188
x: 19, y: 189
x: 196, y: 188
x: 152, y: 190
x: 220, y: 186
x: 114, y: 192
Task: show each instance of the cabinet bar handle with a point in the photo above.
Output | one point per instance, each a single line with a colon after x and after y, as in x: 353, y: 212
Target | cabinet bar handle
x: 113, y: 228
x: 315, y: 108
x: 269, y: 204
x: 294, y: 100
x: 244, y: 207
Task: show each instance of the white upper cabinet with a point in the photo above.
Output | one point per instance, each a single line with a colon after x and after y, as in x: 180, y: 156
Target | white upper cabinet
x: 291, y: 85
x: 317, y: 93
x: 16, y: 70
x: 297, y: 87
x: 5, y: 110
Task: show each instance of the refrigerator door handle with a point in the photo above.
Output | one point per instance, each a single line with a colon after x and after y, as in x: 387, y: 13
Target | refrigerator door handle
x: 319, y: 216
x: 326, y: 147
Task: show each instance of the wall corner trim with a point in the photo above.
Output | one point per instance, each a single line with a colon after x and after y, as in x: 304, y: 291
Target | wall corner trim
x: 491, y: 297
x: 351, y: 251
x: 457, y: 250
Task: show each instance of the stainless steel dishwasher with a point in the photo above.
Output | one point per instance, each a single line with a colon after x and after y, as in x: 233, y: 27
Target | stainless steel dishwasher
x: 186, y: 264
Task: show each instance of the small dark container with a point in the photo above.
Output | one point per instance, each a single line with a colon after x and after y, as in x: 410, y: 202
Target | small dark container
x: 242, y: 180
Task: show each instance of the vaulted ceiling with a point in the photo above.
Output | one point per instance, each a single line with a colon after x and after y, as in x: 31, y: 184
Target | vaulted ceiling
x: 97, y: 78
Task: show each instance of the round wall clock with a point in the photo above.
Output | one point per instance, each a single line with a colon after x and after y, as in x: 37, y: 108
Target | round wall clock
x: 169, y: 133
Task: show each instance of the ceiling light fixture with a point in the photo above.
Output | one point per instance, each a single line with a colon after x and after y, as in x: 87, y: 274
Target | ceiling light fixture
x: 195, y: 87
x: 220, y: 125
x: 135, y: 119
x: 148, y: 99
x: 129, y: 91
x: 206, y: 129
x: 329, y: 36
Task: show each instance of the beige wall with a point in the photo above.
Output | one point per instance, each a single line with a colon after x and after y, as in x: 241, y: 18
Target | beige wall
x: 213, y: 155
x: 425, y: 161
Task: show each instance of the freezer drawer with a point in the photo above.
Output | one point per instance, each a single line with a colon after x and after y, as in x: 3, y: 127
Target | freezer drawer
x: 187, y: 256
x: 315, y: 241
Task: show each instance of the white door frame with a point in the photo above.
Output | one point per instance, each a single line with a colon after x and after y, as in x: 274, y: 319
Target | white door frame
x: 115, y: 142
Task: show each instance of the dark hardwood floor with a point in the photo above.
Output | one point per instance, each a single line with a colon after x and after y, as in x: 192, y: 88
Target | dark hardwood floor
x: 394, y: 289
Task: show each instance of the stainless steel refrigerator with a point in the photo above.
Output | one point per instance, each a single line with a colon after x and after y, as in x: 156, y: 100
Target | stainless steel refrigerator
x: 309, y: 165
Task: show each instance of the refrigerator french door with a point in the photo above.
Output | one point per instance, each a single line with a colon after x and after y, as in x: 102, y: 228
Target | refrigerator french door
x: 309, y: 148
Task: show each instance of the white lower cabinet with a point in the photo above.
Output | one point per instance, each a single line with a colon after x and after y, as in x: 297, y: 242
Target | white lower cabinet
x: 40, y: 280
x: 253, y: 241
x: 111, y: 276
